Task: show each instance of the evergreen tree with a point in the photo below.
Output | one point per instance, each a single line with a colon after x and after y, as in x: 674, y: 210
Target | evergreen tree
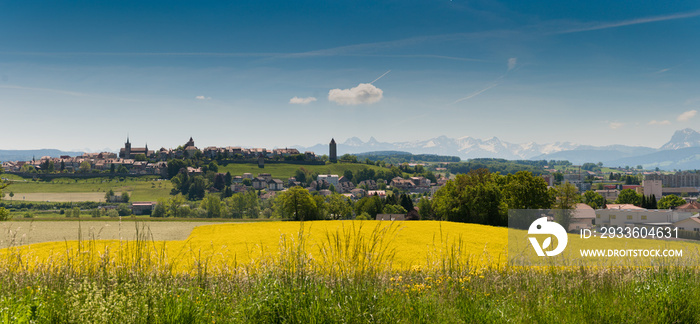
x: 406, y: 202
x: 219, y: 181
x: 228, y: 179
x: 227, y: 192
x: 390, y: 200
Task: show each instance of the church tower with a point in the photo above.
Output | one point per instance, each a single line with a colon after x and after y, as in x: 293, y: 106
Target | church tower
x: 333, y: 154
x: 127, y: 149
x: 189, y: 143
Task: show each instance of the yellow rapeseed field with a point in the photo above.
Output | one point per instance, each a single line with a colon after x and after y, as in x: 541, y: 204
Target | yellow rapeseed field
x: 406, y: 244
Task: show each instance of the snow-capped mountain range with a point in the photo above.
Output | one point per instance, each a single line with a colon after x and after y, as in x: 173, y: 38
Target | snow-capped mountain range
x: 685, y: 144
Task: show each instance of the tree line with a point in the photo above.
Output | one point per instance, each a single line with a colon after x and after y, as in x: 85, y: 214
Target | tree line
x: 497, y: 165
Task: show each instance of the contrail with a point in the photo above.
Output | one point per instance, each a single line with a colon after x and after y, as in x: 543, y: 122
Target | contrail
x: 381, y: 76
x: 474, y: 94
x: 632, y: 22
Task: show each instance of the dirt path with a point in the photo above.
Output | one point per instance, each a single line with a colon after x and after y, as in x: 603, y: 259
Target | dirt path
x: 20, y: 233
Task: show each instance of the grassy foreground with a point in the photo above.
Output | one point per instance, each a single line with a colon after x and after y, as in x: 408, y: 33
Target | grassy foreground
x: 351, y: 280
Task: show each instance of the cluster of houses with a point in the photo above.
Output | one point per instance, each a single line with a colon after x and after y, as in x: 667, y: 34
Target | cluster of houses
x: 657, y: 188
x: 97, y: 162
x: 684, y: 183
x: 414, y: 184
x: 214, y: 152
x: 326, y: 184
x: 656, y: 184
x: 685, y: 217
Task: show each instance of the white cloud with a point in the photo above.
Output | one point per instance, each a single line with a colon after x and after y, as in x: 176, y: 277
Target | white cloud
x: 659, y: 122
x: 202, y: 98
x: 301, y: 101
x: 687, y: 115
x: 615, y: 125
x: 364, y: 93
x: 511, y: 63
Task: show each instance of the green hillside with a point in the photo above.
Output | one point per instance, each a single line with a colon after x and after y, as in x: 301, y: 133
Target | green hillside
x: 148, y: 188
x: 284, y: 171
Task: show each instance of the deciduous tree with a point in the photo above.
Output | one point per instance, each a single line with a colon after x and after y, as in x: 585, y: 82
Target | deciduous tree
x: 472, y: 198
x: 298, y: 204
x: 629, y: 196
x: 522, y: 190
x: 425, y: 209
x: 670, y: 201
x: 85, y: 167
x: 122, y: 169
x: 593, y: 199
x: 566, y: 198
x: 4, y: 214
x: 371, y: 205
x: 338, y: 206
x: 212, y: 205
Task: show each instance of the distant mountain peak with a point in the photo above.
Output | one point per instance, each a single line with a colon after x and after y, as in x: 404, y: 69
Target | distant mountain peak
x: 353, y: 141
x: 493, y: 139
x: 683, y: 138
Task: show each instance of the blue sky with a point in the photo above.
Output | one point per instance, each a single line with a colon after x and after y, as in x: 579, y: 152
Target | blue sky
x: 84, y: 74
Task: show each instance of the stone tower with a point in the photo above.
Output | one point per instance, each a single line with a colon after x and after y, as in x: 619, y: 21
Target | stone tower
x: 333, y: 154
x: 127, y: 149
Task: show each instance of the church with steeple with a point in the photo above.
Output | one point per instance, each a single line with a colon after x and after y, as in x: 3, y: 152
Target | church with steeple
x: 128, y: 152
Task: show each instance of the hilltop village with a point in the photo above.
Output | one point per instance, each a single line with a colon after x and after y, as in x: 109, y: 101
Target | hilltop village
x: 143, y: 161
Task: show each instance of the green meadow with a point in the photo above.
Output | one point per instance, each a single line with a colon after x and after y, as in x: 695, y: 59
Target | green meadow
x: 284, y: 171
x: 66, y: 189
